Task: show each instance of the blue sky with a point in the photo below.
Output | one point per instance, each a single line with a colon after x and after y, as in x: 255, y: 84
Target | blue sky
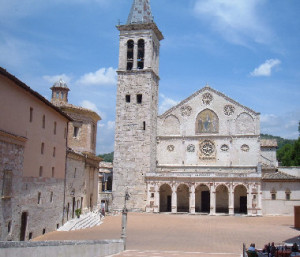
x: 246, y: 49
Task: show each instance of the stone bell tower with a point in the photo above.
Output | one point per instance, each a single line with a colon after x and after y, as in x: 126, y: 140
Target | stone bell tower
x: 137, y: 103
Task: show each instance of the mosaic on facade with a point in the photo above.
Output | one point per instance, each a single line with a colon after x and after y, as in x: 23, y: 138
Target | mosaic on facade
x: 207, y: 122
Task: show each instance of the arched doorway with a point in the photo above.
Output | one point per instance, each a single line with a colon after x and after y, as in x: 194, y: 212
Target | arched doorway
x: 165, y: 198
x: 183, y: 198
x: 240, y: 199
x: 222, y: 199
x: 202, y: 199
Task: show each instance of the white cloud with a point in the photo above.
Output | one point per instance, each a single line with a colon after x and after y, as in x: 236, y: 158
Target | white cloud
x: 91, y: 106
x: 165, y: 103
x: 265, y: 69
x: 55, y: 78
x: 238, y: 21
x: 103, y: 76
x: 111, y: 125
x: 284, y: 125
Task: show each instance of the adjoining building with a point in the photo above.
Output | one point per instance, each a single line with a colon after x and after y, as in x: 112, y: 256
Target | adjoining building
x: 33, y: 141
x: 105, y: 186
x: 48, y: 166
x: 82, y: 163
x: 204, y: 155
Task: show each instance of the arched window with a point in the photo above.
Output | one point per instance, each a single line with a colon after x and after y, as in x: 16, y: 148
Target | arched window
x: 130, y: 46
x: 207, y: 122
x: 141, y: 54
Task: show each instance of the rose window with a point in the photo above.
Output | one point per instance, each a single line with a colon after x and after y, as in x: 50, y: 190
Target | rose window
x: 186, y: 110
x: 207, y: 98
x: 224, y: 148
x: 207, y: 148
x: 229, y: 110
x: 191, y: 148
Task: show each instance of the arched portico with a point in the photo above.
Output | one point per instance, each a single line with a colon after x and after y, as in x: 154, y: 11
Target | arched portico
x: 183, y: 197
x: 222, y: 199
x: 165, y: 198
x: 202, y: 196
x: 240, y: 199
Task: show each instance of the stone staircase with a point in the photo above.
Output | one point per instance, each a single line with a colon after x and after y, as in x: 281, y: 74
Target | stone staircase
x: 88, y: 220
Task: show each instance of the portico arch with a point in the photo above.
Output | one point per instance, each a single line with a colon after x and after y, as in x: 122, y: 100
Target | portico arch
x: 222, y: 198
x: 240, y: 199
x: 183, y: 198
x: 165, y: 198
x: 202, y: 199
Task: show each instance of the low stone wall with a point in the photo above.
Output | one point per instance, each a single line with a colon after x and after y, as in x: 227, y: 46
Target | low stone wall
x: 61, y: 248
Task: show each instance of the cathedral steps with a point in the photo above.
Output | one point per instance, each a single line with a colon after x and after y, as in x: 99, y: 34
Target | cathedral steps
x: 88, y: 220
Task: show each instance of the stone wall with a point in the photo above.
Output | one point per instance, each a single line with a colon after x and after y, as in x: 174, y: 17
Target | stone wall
x: 11, y: 160
x: 62, y: 248
x: 280, y: 206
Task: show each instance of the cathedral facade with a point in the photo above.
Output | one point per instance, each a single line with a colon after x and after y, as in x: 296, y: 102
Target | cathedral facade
x: 204, y: 155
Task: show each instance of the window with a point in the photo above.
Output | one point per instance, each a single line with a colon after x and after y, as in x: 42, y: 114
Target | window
x: 287, y: 196
x: 31, y: 114
x: 127, y: 98
x: 7, y: 184
x: 53, y: 172
x: 30, y: 236
x: 44, y: 122
x: 130, y: 47
x: 273, y: 196
x: 54, y: 129
x: 39, y: 197
x: 54, y: 151
x: 57, y: 95
x: 41, y: 171
x: 44, y: 231
x: 9, y: 227
x: 141, y: 53
x: 62, y: 95
x: 42, y: 148
x: 51, y: 197
x: 144, y: 125
x: 76, y: 132
x: 152, y: 195
x: 139, y: 98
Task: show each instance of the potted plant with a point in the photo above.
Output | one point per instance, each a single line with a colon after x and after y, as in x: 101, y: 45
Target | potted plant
x: 78, y: 212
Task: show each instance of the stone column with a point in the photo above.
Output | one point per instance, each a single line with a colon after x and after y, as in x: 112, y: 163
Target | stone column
x: 212, y: 200
x: 231, y: 199
x: 259, y: 200
x: 174, y: 199
x: 156, y: 199
x: 192, y: 198
x: 249, y: 200
x: 148, y: 208
x: 135, y: 54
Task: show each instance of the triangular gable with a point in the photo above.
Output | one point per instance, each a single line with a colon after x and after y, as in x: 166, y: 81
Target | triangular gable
x: 208, y: 88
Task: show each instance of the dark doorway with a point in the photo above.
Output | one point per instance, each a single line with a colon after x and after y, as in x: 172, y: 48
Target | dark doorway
x: 23, y: 225
x: 205, y: 203
x: 73, y: 208
x: 169, y: 202
x: 243, y: 204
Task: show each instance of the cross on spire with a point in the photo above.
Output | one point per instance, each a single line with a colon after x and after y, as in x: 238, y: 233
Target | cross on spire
x: 140, y: 12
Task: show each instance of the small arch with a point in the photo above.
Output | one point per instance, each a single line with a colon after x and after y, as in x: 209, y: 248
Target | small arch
x: 207, y: 121
x: 245, y: 124
x: 202, y: 198
x: 171, y: 125
x: 240, y: 199
x: 141, y: 54
x: 183, y: 198
x: 130, y: 48
x: 222, y: 199
x: 165, y: 198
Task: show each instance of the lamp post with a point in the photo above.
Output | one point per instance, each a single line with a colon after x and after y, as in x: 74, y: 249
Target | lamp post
x: 124, y: 220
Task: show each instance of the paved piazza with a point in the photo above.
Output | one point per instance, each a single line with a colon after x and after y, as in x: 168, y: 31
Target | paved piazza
x: 186, y: 235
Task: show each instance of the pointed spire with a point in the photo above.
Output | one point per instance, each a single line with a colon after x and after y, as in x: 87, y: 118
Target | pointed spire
x: 140, y: 12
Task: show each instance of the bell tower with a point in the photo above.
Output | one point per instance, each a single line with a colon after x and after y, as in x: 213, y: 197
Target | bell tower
x: 136, y: 109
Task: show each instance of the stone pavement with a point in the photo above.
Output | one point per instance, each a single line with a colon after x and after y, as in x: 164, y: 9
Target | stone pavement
x: 189, y: 234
